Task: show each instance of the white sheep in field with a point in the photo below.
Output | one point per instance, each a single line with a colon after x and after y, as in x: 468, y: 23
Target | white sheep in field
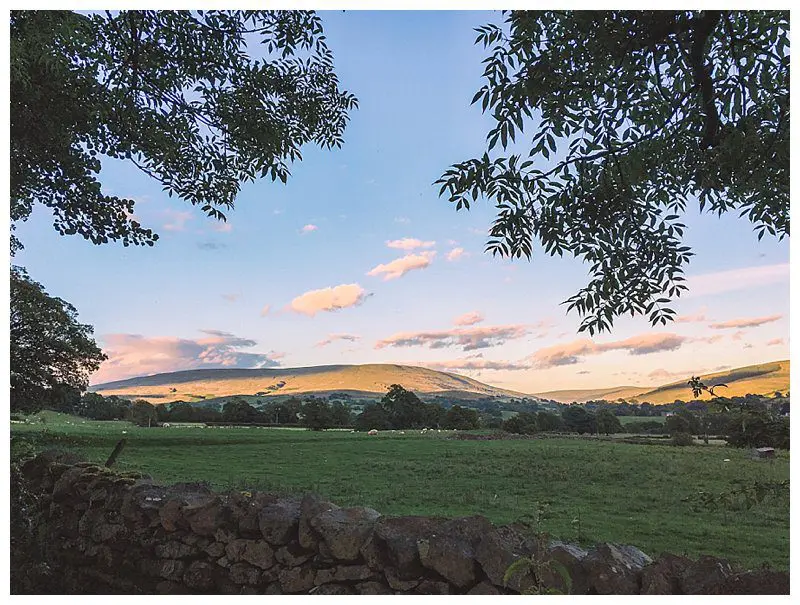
x: 402, y: 432
x: 372, y: 432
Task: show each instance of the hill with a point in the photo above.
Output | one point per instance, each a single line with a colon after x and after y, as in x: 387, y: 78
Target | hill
x: 761, y: 379
x: 369, y: 380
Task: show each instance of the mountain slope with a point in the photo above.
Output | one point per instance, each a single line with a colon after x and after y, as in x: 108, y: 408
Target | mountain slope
x: 761, y: 379
x: 368, y: 379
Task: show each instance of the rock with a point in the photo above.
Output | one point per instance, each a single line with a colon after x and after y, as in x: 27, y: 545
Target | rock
x: 292, y: 555
x: 432, y: 587
x: 171, y: 569
x: 246, y: 510
x: 571, y: 557
x: 663, y: 575
x: 215, y: 549
x: 235, y: 549
x: 259, y: 553
x: 167, y: 587
x: 344, y: 530
x: 199, y: 576
x: 278, y: 522
x: 451, y: 557
x: 396, y: 539
x: 615, y: 569
x: 702, y: 576
x: 395, y: 583
x: 310, y: 506
x: 351, y: 573
x: 333, y: 589
x: 324, y: 576
x: 174, y: 550
x: 170, y: 515
x: 205, y: 517
x: 242, y: 573
x: 372, y: 588
x: 274, y: 588
x: 498, y: 549
x: 484, y: 588
x: 762, y: 582
x: 296, y: 579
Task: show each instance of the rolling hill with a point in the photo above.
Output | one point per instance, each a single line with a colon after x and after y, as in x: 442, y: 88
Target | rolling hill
x: 761, y: 379
x: 369, y: 380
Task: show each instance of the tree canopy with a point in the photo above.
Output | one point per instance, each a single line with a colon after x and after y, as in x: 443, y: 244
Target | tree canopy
x: 200, y: 101
x: 51, y: 352
x: 633, y: 114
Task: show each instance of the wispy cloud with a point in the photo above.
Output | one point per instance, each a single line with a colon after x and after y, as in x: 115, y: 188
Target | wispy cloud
x: 400, y: 266
x: 402, y: 220
x: 775, y: 341
x: 231, y: 297
x: 475, y: 363
x: 223, y: 227
x: 264, y: 311
x: 698, y: 317
x: 328, y: 299
x: 468, y: 339
x: 409, y: 243
x: 211, y: 246
x: 745, y: 322
x: 743, y: 278
x: 571, y: 352
x: 136, y: 355
x: 455, y: 254
x: 176, y: 221
x: 468, y: 319
x: 308, y: 228
x: 334, y: 337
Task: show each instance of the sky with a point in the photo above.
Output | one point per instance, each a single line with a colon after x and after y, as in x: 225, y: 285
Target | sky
x: 357, y: 260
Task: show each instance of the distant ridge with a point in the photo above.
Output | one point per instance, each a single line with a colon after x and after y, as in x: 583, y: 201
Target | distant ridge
x: 366, y: 380
x: 761, y: 379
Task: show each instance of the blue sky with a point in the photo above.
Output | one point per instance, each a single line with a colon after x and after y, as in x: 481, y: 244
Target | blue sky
x: 198, y: 298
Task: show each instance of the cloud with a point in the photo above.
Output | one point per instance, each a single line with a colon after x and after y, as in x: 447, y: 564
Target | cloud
x: 775, y: 341
x: 743, y: 278
x: 468, y: 319
x: 583, y: 372
x: 223, y: 227
x: 403, y: 220
x: 745, y: 322
x: 308, y: 228
x: 455, y: 254
x: 474, y: 363
x: 328, y: 299
x: 231, y: 297
x: 401, y: 266
x: 264, y: 311
x: 468, y: 339
x: 700, y: 316
x: 136, y: 355
x: 334, y: 337
x: 211, y: 246
x: 738, y: 335
x: 641, y: 344
x: 176, y: 221
x: 409, y: 243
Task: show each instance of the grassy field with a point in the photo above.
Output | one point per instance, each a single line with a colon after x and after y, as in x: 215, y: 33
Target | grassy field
x: 626, y: 420
x: 594, y: 490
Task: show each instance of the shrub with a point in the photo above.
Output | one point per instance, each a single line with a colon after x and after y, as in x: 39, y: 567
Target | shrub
x: 681, y: 438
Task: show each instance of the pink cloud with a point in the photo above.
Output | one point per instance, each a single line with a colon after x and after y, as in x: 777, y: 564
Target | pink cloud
x: 409, y: 243
x: 132, y: 355
x: 334, y: 337
x: 455, y: 254
x: 308, y: 228
x: 700, y: 316
x: 265, y: 310
x: 775, y: 341
x: 468, y: 339
x: 468, y: 319
x: 231, y: 297
x: 738, y: 335
x: 400, y: 266
x: 328, y: 299
x: 571, y: 352
x: 224, y: 227
x: 745, y: 322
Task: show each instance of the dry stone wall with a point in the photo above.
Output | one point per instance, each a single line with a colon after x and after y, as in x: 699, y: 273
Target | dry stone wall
x: 91, y: 530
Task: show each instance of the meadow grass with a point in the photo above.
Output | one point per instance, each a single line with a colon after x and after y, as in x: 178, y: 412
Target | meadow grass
x: 594, y: 490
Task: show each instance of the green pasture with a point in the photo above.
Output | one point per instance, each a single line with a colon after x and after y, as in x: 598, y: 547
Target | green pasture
x: 590, y: 490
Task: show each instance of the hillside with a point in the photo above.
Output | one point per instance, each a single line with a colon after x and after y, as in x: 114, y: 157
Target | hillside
x: 761, y: 379
x: 356, y: 380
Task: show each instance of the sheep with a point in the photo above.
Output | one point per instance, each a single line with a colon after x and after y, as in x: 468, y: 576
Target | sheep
x: 373, y: 432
